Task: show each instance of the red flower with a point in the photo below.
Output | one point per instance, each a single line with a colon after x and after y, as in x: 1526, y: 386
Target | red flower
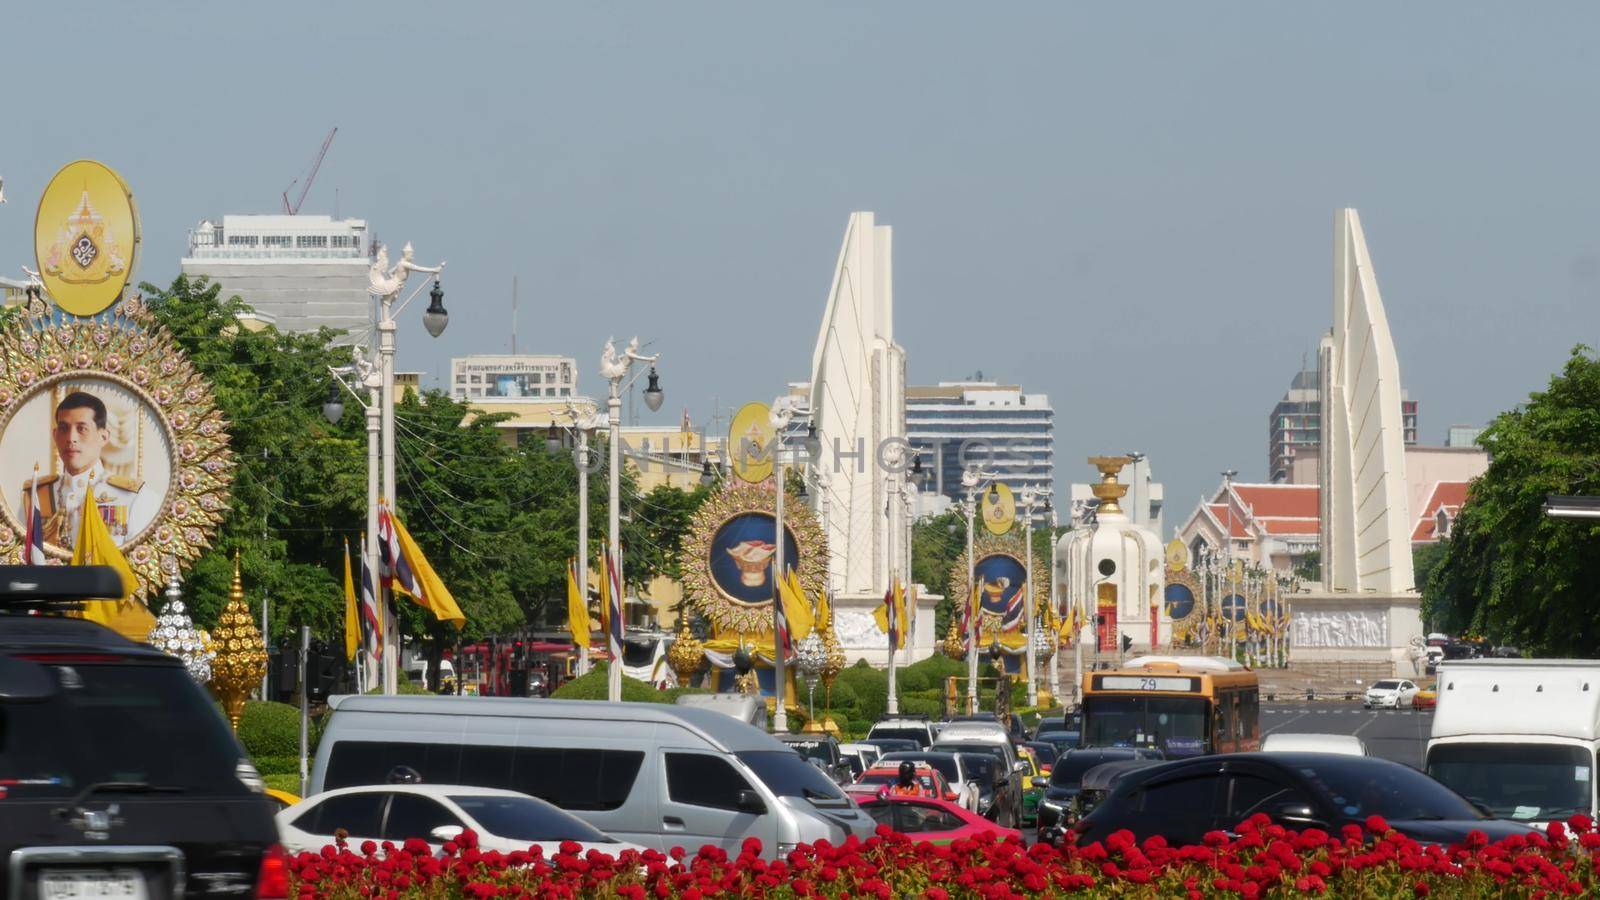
x: 1377, y: 825
x: 1421, y: 889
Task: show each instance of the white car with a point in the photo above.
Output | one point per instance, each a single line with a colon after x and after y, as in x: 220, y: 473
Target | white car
x: 503, y: 820
x: 1390, y: 694
x: 1343, y: 744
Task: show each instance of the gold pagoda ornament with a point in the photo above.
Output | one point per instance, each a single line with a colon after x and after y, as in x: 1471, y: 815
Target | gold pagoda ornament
x: 686, y: 653
x: 955, y: 646
x: 241, y: 653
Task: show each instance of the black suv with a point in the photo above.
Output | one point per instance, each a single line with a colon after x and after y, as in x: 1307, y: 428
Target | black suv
x: 119, y: 776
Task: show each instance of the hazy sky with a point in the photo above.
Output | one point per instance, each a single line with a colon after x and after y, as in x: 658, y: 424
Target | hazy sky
x: 1128, y: 207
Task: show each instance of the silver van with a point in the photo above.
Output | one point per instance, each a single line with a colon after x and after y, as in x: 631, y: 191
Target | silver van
x: 652, y: 774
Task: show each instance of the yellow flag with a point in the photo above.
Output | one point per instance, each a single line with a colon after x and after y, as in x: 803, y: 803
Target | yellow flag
x: 977, y: 599
x: 577, y: 608
x: 352, y: 618
x: 897, y: 597
x: 900, y: 612
x: 796, y: 608
x: 128, y: 617
x: 824, y: 612
x: 435, y: 596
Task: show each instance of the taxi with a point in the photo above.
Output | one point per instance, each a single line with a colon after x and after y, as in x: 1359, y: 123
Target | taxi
x: 1034, y: 782
x: 882, y: 779
x: 1427, y: 698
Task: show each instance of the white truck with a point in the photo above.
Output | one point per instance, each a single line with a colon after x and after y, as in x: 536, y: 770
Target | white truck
x: 1518, y: 736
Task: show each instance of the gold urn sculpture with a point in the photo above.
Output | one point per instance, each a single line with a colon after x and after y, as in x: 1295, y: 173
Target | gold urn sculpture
x: 241, y: 653
x: 686, y: 653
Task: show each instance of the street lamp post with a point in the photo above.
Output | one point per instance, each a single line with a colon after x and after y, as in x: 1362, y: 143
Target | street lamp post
x: 1055, y: 605
x: 891, y: 486
x: 614, y: 368
x: 972, y: 480
x: 784, y: 409
x: 1029, y: 498
x: 1227, y: 599
x: 581, y: 426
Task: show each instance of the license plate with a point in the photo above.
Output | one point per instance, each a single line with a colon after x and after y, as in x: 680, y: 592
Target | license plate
x: 91, y: 884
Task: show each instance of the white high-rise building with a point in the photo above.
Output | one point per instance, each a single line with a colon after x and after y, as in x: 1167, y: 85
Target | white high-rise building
x: 999, y: 428
x: 507, y: 379
x: 300, y: 272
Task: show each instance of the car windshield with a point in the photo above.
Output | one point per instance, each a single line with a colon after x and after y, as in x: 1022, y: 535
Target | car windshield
x: 1046, y: 751
x: 946, y: 765
x: 1175, y: 725
x: 1517, y: 781
x: 1061, y: 740
x: 1069, y: 769
x: 527, y: 819
x: 118, y: 722
x: 1360, y: 788
x: 1386, y: 685
x: 918, y: 736
x: 787, y: 775
x: 822, y: 751
x: 981, y: 768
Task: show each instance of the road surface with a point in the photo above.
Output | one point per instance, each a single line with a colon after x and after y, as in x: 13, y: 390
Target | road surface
x: 1397, y: 734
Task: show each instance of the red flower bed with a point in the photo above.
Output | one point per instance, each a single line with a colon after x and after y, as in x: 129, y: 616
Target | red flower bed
x: 1264, y: 861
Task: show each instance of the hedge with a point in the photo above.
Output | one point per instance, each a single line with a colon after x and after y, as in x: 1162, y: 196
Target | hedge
x: 270, y: 729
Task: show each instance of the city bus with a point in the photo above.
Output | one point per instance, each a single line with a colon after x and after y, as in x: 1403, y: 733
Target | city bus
x: 1180, y: 705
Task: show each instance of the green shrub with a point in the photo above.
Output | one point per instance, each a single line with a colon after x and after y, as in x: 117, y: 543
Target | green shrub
x: 917, y: 706
x: 871, y: 688
x: 270, y: 729
x: 277, y: 765
x: 289, y: 783
x: 930, y: 673
x: 593, y: 686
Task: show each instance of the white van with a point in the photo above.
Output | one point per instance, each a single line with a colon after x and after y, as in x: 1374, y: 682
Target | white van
x: 648, y: 773
x: 1519, y: 735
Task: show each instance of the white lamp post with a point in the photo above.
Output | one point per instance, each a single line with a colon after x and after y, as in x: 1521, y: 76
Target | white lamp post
x: 784, y: 409
x: 973, y: 480
x: 385, y: 283
x: 1029, y: 498
x: 1055, y: 605
x: 582, y: 425
x: 614, y: 368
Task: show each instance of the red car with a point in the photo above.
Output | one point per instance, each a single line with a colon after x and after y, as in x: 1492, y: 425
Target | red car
x: 927, y: 819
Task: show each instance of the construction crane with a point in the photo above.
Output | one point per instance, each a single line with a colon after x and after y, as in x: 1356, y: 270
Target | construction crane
x: 294, y: 208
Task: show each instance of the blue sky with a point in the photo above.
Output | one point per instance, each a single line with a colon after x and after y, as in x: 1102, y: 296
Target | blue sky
x: 1127, y: 207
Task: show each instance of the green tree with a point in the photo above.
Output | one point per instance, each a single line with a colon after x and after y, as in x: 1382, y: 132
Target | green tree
x: 1509, y: 571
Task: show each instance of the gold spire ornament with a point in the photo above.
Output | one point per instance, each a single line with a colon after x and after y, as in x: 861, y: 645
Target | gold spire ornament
x: 241, y: 653
x: 954, y: 646
x: 1109, y: 490
x: 686, y: 653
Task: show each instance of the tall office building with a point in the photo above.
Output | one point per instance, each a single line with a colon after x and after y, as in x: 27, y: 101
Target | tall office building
x: 299, y: 273
x: 1295, y: 424
x: 507, y: 379
x: 997, y: 427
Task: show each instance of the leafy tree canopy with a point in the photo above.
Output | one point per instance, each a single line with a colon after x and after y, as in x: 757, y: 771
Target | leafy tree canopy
x: 1510, y: 572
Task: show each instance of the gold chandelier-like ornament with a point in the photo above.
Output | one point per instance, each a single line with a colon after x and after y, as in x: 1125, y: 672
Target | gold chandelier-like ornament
x: 172, y: 436
x: 241, y: 653
x: 686, y: 653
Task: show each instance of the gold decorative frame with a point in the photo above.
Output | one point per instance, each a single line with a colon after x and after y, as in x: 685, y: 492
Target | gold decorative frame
x: 127, y: 347
x: 1010, y: 544
x: 736, y: 499
x: 1187, y: 629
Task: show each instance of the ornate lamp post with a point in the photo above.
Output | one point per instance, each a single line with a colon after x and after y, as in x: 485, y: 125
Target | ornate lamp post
x: 810, y: 659
x: 614, y: 368
x: 241, y: 653
x: 175, y: 633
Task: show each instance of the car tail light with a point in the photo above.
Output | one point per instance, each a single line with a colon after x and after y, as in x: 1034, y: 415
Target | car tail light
x: 272, y: 882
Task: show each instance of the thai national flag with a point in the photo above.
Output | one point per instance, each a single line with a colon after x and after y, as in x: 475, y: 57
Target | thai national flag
x: 893, y: 618
x: 614, y: 573
x: 1012, y: 620
x: 396, y: 571
x: 782, y: 644
x: 35, y: 536
x: 369, y: 613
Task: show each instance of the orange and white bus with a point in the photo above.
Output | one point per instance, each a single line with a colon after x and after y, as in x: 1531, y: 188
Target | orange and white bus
x: 1180, y: 705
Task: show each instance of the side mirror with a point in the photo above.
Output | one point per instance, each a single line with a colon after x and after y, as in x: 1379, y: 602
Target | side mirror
x: 750, y: 802
x: 1481, y: 807
x: 445, y: 833
x: 1020, y: 767
x: 1296, y: 814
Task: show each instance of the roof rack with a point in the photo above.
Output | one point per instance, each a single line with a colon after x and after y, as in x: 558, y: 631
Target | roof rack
x: 61, y: 587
